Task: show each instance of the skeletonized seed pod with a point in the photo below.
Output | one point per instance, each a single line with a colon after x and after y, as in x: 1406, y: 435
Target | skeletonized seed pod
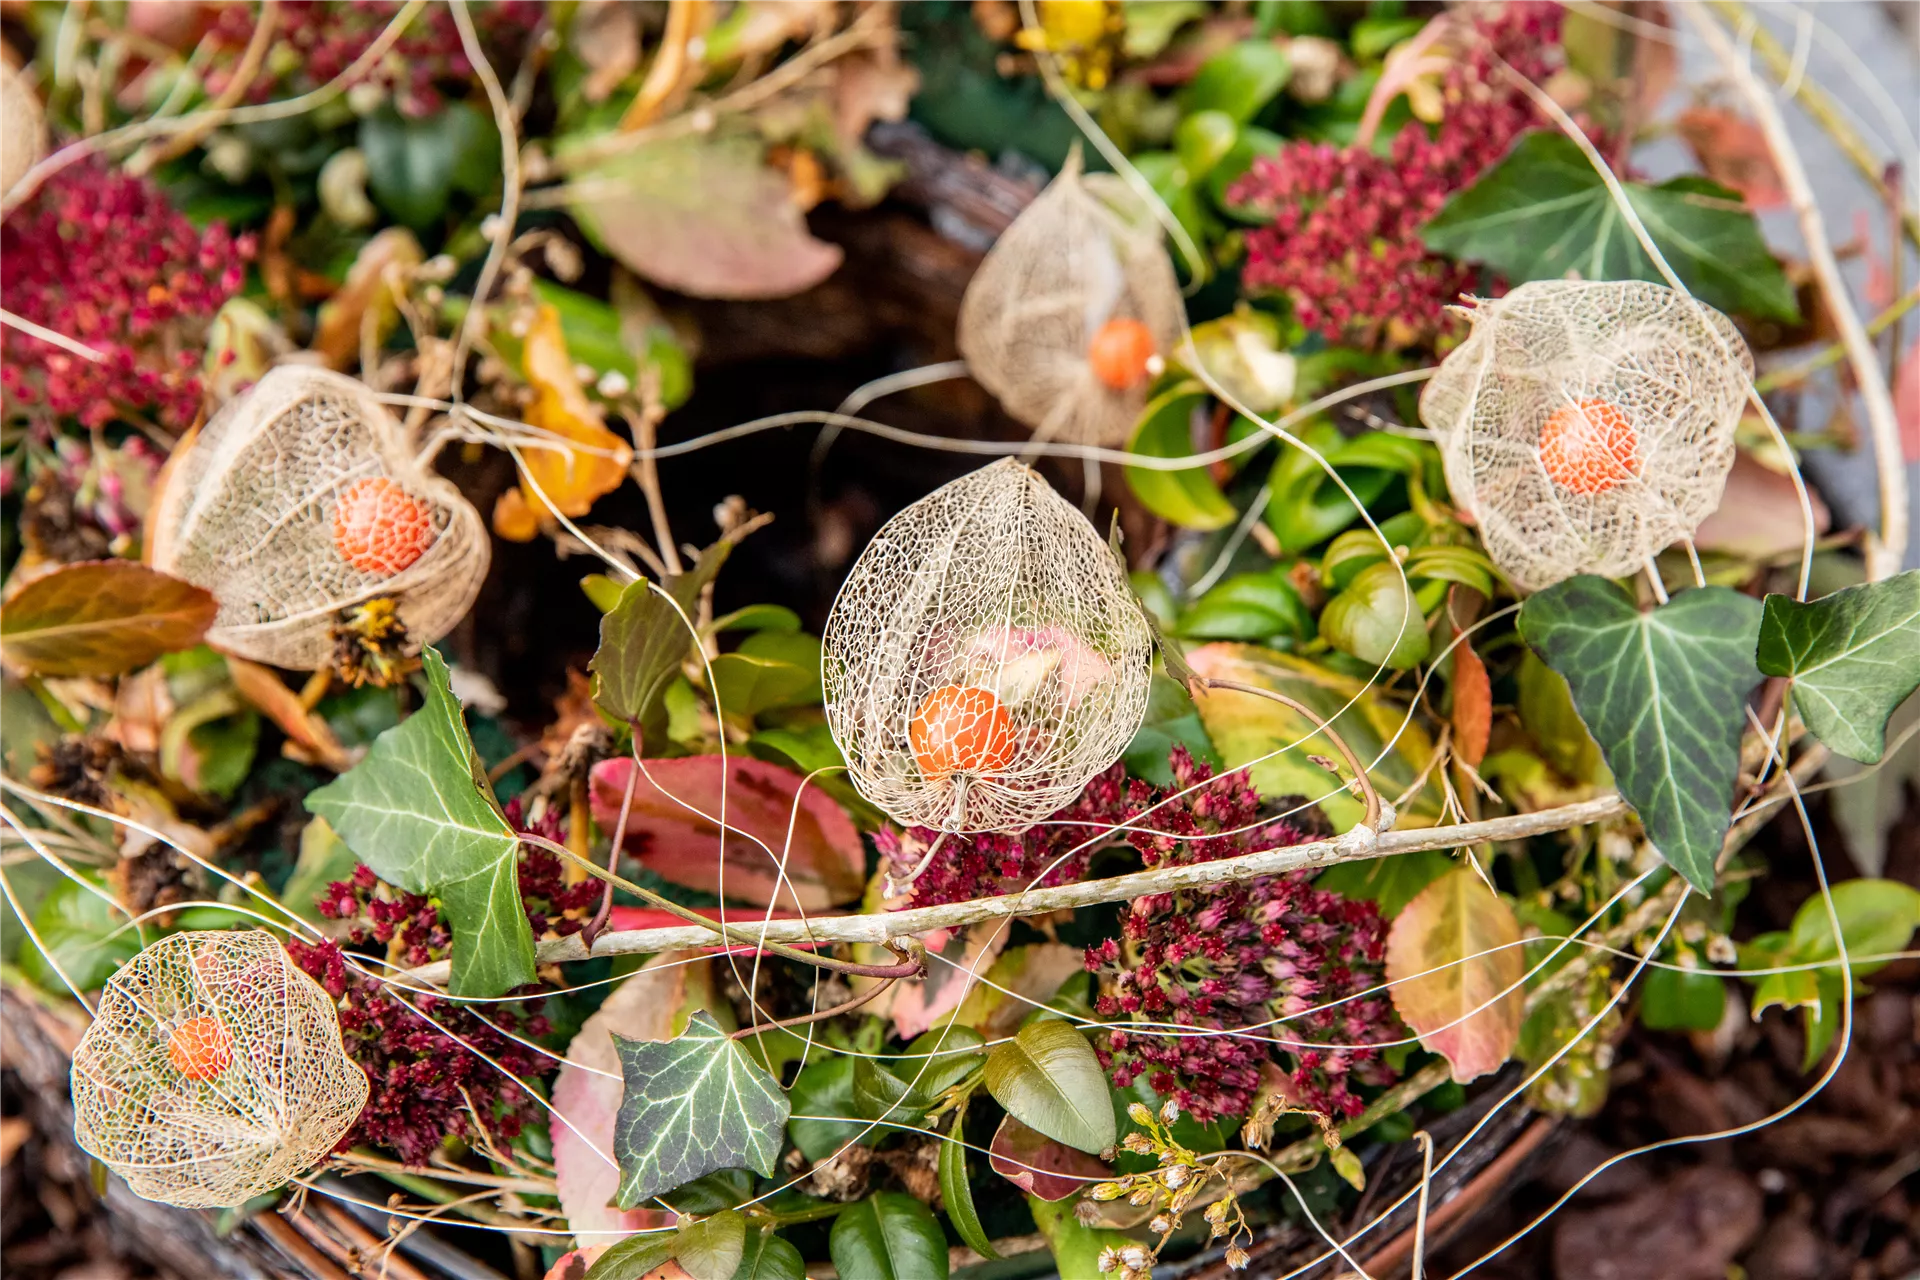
x: 303, y: 497
x: 23, y: 126
x: 985, y: 657
x: 1588, y: 425
x: 213, y: 1071
x: 1071, y: 313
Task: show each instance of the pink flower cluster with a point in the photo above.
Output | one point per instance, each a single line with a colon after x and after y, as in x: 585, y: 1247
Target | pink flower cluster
x: 1345, y: 243
x: 101, y: 257
x: 322, y: 38
x: 423, y: 1077
x: 1268, y: 955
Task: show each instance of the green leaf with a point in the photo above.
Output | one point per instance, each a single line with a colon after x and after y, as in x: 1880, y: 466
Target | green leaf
x: 1239, y: 80
x: 957, y: 1190
x: 693, y: 1104
x: 880, y: 1095
x: 1377, y: 619
x: 1076, y: 1247
x: 936, y: 1061
x: 1171, y: 718
x: 770, y: 669
x: 1876, y: 918
x: 324, y: 858
x: 419, y: 811
x: 824, y: 1087
x: 415, y: 165
x: 1390, y: 882
x: 1049, y: 1079
x: 1854, y: 656
x: 768, y: 1257
x: 100, y: 618
x: 1544, y: 212
x: 1307, y: 506
x: 1348, y: 1166
x: 76, y: 925
x: 888, y: 1236
x: 635, y: 1257
x: 644, y: 639
x: 757, y: 617
x: 713, y: 1248
x: 1189, y: 497
x: 1662, y: 693
x: 1249, y: 606
x: 1202, y: 140
x: 1682, y: 1000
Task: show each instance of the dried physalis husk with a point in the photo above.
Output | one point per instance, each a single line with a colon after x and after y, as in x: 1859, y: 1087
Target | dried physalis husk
x: 23, y: 126
x: 985, y: 658
x: 1588, y: 425
x: 303, y: 498
x: 1074, y: 311
x: 213, y: 1071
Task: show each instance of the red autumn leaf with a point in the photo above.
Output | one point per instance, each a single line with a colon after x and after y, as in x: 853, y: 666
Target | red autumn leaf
x: 100, y: 618
x: 676, y: 810
x: 1472, y: 705
x: 1040, y: 1166
x: 1456, y: 970
x: 1734, y: 152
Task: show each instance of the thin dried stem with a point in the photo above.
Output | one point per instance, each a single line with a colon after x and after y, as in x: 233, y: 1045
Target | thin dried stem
x: 821, y: 1015
x: 1360, y: 777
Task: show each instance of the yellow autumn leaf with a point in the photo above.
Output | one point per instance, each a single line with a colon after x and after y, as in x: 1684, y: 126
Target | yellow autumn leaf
x: 572, y: 478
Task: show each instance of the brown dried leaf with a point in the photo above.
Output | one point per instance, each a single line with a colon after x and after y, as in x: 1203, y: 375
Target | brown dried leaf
x: 1733, y: 152
x: 308, y: 733
x: 1472, y: 705
x: 367, y: 297
x: 100, y: 618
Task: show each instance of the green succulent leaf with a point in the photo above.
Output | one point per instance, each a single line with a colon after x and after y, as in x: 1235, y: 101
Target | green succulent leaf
x: 1544, y: 212
x: 1049, y: 1078
x: 419, y: 811
x: 1661, y: 693
x: 693, y: 1104
x: 888, y: 1236
x: 1854, y: 656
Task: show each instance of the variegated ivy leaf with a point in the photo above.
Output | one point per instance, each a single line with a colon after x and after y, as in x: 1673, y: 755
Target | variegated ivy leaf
x: 693, y: 1105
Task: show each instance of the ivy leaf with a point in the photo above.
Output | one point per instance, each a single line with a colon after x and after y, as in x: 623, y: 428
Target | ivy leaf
x: 888, y: 1236
x: 1049, y: 1077
x: 100, y: 618
x: 420, y: 812
x: 643, y: 640
x: 1661, y: 693
x: 693, y: 1105
x: 1854, y: 656
x: 1543, y: 212
x: 1450, y: 956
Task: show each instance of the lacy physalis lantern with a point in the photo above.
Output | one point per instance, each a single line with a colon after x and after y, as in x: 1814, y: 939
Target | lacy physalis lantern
x: 1073, y: 311
x: 213, y: 1071
x: 303, y: 498
x: 985, y: 657
x: 1588, y: 425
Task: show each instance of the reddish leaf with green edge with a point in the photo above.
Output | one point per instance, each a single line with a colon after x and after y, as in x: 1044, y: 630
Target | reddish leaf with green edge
x: 1472, y: 705
x: 100, y: 618
x: 676, y: 807
x: 1040, y: 1166
x: 1457, y: 972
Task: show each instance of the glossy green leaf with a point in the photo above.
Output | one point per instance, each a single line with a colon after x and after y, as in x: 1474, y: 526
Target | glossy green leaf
x: 880, y: 1095
x: 936, y: 1061
x: 420, y: 812
x: 714, y: 1248
x: 1049, y: 1078
x: 1854, y: 656
x: 1202, y: 140
x: 888, y: 1236
x: 1876, y: 918
x: 1076, y: 1247
x: 1249, y: 606
x: 1682, y: 1000
x: 957, y: 1191
x: 768, y: 1257
x: 1251, y: 144
x: 1544, y: 213
x: 824, y: 1087
x: 100, y: 618
x: 1171, y: 718
x: 1307, y: 506
x: 643, y: 640
x: 1547, y: 712
x: 635, y: 1257
x: 1239, y: 80
x: 757, y: 617
x: 416, y: 164
x: 770, y: 669
x: 324, y: 858
x: 694, y: 1104
x: 77, y: 926
x: 1189, y: 497
x: 1377, y: 620
x: 1662, y: 693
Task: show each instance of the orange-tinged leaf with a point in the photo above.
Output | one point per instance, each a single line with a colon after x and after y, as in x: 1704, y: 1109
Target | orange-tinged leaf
x: 571, y: 478
x: 100, y: 618
x: 1472, y: 705
x: 312, y: 736
x: 366, y: 299
x: 1734, y: 153
x: 1451, y: 954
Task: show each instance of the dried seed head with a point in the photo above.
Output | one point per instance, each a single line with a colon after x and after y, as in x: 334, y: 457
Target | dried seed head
x: 1070, y: 309
x: 301, y: 498
x: 213, y: 1071
x: 1588, y: 425
x: 985, y: 658
x: 1138, y: 1113
x: 1238, y: 1259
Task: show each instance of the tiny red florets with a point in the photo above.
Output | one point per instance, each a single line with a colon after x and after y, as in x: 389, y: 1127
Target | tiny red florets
x: 1240, y: 955
x: 423, y: 1077
x: 101, y: 257
x: 1345, y: 243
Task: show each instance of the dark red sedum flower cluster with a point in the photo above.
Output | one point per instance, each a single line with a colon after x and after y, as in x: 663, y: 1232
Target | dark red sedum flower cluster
x: 422, y: 1076
x: 1344, y: 244
x: 101, y: 257
x: 1240, y: 956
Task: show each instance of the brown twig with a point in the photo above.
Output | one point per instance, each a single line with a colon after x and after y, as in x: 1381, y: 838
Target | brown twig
x: 615, y: 839
x: 158, y: 153
x: 820, y: 1015
x: 646, y: 471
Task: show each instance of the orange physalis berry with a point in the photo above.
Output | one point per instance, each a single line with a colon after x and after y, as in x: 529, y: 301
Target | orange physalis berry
x: 961, y: 730
x: 378, y: 527
x: 200, y: 1048
x: 1589, y: 447
x: 1120, y: 352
